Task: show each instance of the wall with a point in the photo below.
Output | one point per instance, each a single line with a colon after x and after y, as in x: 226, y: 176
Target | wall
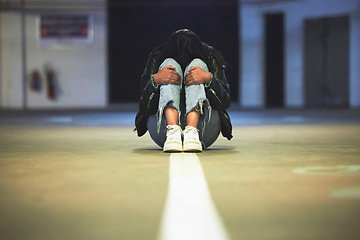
x: 81, y: 70
x: 11, y: 64
x: 252, y: 32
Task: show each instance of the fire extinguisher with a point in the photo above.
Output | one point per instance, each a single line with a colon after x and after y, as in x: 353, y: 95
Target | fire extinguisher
x: 35, y: 81
x: 50, y: 80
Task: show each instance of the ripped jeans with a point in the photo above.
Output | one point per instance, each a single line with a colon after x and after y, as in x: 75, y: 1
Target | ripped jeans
x: 184, y: 100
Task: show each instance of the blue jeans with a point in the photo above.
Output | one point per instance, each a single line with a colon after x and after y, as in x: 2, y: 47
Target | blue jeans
x: 184, y: 100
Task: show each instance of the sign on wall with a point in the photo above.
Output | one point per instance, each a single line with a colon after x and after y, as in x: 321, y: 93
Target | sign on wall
x: 65, y: 30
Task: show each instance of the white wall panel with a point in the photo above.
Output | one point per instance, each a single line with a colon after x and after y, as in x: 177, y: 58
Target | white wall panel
x: 81, y: 70
x: 252, y: 50
x: 11, y: 63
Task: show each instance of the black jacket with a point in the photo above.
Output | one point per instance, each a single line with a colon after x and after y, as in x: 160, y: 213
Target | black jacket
x: 217, y: 92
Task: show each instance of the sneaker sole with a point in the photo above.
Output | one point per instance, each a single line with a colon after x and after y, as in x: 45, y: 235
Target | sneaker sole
x: 172, y: 147
x: 192, y: 147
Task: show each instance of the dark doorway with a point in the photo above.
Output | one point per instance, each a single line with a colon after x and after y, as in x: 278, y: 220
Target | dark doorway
x: 327, y: 62
x: 274, y: 60
x: 136, y: 27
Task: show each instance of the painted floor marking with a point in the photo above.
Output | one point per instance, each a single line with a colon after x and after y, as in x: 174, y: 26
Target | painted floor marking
x: 329, y: 170
x: 189, y: 212
x: 353, y: 193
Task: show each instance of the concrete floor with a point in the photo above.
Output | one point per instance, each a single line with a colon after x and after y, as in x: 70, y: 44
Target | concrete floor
x: 86, y: 175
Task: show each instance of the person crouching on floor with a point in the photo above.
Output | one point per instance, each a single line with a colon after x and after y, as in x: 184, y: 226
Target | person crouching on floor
x: 184, y: 95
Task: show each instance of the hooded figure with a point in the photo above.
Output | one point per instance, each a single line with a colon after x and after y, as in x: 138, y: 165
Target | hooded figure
x: 184, y: 78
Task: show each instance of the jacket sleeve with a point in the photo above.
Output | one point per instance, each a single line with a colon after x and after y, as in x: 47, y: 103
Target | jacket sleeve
x: 149, y: 93
x: 218, y: 91
x: 149, y: 97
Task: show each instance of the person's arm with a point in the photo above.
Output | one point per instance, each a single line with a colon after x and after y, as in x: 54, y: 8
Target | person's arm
x: 150, y: 91
x: 197, y: 75
x: 217, y: 91
x: 166, y: 75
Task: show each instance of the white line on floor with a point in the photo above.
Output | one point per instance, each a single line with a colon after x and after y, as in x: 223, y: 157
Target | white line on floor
x: 329, y: 170
x: 353, y: 193
x: 189, y: 212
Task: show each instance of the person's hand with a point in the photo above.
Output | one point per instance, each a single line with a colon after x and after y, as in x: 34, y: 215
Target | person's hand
x: 197, y: 75
x: 167, y: 75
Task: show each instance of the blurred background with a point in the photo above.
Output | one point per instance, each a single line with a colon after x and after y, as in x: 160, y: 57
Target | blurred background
x: 60, y: 54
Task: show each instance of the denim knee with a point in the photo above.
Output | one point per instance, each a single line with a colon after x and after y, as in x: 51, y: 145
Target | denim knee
x: 197, y: 62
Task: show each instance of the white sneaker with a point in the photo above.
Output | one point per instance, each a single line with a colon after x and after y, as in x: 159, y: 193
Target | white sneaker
x: 173, y: 141
x: 191, y: 140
